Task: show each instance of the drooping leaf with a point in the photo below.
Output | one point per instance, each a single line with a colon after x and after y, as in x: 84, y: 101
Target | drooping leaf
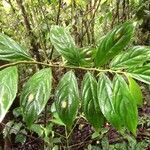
x: 65, y: 45
x: 135, y: 91
x: 90, y: 102
x: 125, y: 104
x: 67, y: 98
x: 141, y: 73
x: 113, y: 43
x: 8, y: 89
x: 11, y: 51
x: 106, y: 101
x: 35, y: 95
x: 135, y: 56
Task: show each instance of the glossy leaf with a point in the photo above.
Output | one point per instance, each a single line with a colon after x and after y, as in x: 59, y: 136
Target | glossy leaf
x: 125, y: 104
x: 67, y: 98
x: 141, y: 73
x: 90, y: 102
x: 135, y: 56
x: 11, y: 51
x: 106, y: 101
x: 65, y: 45
x: 135, y: 91
x: 35, y: 95
x: 8, y: 89
x: 113, y: 43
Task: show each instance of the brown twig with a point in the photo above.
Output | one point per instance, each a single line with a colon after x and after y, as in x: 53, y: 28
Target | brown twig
x: 93, y: 16
x: 61, y: 66
x: 35, y: 46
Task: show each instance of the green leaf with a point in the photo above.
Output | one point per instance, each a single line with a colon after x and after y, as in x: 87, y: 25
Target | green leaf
x: 125, y: 104
x: 135, y: 56
x: 65, y: 45
x: 67, y: 98
x: 114, y: 42
x: 106, y: 101
x: 7, y: 128
x: 135, y: 91
x: 90, y: 102
x: 11, y: 51
x: 95, y: 135
x: 141, y: 73
x: 37, y: 128
x: 56, y: 119
x: 21, y: 137
x: 8, y: 89
x: 15, y: 128
x: 35, y: 95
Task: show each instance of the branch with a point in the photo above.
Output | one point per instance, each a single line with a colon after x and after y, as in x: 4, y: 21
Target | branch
x: 92, y: 19
x: 61, y: 66
x: 58, y: 14
x: 35, y: 45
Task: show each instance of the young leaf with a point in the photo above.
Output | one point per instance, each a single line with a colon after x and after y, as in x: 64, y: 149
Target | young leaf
x: 135, y: 56
x: 67, y: 98
x: 106, y: 102
x: 141, y: 73
x: 65, y: 45
x: 90, y: 102
x: 8, y: 89
x: 35, y: 95
x: 135, y: 91
x: 125, y: 104
x: 11, y: 51
x: 114, y: 42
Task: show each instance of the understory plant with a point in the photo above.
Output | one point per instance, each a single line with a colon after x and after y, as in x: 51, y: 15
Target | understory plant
x: 108, y: 92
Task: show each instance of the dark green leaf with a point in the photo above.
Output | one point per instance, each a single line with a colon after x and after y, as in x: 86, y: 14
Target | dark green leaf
x: 67, y: 98
x: 106, y: 101
x: 65, y: 45
x: 35, y: 95
x: 125, y: 104
x: 90, y: 102
x: 135, y: 56
x: 114, y: 42
x: 8, y: 89
x: 11, y: 51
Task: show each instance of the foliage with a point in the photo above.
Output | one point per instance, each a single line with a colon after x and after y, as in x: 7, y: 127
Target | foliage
x: 10, y: 50
x: 67, y: 98
x: 96, y: 77
x: 35, y: 95
x: 8, y: 89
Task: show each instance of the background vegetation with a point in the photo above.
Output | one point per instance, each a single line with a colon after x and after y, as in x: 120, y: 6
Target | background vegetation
x: 30, y: 22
